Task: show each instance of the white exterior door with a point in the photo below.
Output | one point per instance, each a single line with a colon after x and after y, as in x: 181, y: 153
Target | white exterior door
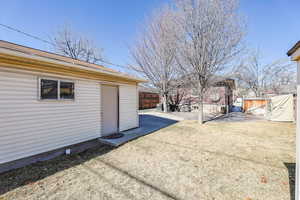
x: 128, y: 95
x: 109, y: 96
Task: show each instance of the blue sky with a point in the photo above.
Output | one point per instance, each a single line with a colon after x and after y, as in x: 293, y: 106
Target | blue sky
x: 273, y: 25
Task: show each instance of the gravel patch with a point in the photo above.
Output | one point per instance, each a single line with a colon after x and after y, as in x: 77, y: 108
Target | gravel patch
x: 220, y: 161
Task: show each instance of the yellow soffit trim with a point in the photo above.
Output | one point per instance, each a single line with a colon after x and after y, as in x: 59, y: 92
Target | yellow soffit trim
x: 7, y: 60
x: 295, y: 56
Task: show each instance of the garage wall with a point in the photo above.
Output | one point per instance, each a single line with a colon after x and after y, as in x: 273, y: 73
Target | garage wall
x: 128, y: 105
x: 29, y: 126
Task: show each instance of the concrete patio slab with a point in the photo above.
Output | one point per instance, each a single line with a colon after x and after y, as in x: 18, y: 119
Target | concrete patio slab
x: 148, y: 124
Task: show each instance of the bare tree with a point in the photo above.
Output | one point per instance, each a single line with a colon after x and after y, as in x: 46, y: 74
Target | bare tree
x: 209, y: 35
x: 155, y: 50
x: 285, y: 82
x: 261, y: 78
x: 176, y: 98
x: 177, y: 93
x: 70, y: 44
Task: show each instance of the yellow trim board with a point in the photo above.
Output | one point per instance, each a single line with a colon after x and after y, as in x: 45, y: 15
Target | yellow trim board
x: 24, y: 63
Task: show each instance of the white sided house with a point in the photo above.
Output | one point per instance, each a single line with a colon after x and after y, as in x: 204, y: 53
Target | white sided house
x: 48, y: 101
x: 294, y: 53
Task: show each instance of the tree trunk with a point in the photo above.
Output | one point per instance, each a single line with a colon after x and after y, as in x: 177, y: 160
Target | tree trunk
x: 165, y: 97
x: 256, y: 92
x: 200, y: 111
x: 165, y: 105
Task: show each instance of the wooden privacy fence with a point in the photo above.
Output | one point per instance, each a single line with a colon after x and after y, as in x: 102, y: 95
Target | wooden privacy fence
x: 280, y: 107
x: 249, y: 104
x: 148, y: 100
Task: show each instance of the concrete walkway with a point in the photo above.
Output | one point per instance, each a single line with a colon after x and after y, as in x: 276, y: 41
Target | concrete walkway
x: 148, y: 124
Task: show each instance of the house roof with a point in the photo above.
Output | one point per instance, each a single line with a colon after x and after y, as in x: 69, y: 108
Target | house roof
x: 19, y: 51
x: 223, y: 81
x: 142, y: 88
x: 215, y: 81
x: 294, y: 48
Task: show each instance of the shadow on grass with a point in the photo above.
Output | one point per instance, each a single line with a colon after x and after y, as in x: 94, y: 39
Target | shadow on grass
x: 133, y: 177
x: 34, y: 172
x: 215, y: 117
x: 291, y: 167
x: 234, y: 117
x: 40, y: 170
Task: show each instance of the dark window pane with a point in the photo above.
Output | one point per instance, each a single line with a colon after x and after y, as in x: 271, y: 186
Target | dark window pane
x: 48, y: 89
x: 66, y: 90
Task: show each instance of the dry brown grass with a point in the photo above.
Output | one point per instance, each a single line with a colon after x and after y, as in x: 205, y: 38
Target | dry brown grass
x: 236, y: 160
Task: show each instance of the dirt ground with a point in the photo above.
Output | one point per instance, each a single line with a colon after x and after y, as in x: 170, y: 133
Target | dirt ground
x: 245, y: 160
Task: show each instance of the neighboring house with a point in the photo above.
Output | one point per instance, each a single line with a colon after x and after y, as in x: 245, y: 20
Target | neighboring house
x: 221, y: 93
x: 148, y: 98
x: 294, y: 53
x: 48, y: 101
x: 217, y: 98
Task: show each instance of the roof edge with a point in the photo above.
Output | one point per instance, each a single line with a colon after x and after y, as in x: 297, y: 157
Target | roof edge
x: 294, y: 48
x: 40, y: 54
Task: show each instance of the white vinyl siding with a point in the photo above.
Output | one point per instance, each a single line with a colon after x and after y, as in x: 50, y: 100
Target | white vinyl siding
x: 128, y: 102
x: 29, y: 126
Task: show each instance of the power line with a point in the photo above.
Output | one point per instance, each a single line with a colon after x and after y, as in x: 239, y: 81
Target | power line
x: 109, y: 63
x: 51, y: 43
x: 27, y: 34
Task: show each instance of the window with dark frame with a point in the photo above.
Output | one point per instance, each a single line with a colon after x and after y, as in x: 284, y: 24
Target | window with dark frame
x: 56, y: 89
x: 49, y: 89
x: 66, y: 90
